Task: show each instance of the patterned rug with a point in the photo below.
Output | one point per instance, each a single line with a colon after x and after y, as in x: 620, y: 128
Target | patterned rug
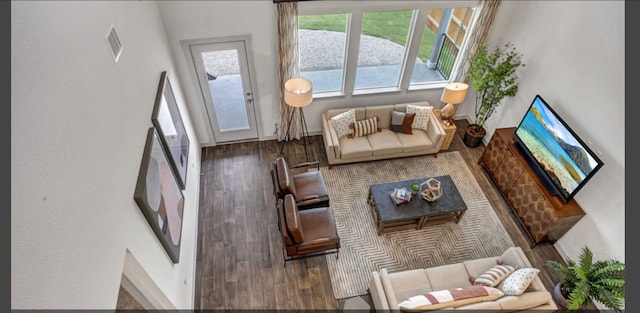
x: 479, y: 234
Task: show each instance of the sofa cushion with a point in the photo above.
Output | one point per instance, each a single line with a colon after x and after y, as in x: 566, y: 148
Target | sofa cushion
x: 401, y: 122
x: 364, y: 127
x: 453, y: 297
x: 422, y: 119
x: 418, y: 141
x: 384, y: 142
x: 402, y: 285
x: 342, y: 121
x: 486, y: 306
x: 517, y: 282
x: 354, y: 147
x: 524, y: 301
x: 493, y: 276
x: 448, y: 276
x: 382, y: 112
x: 476, y: 267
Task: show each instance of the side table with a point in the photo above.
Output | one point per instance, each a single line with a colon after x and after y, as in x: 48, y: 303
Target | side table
x: 449, y: 128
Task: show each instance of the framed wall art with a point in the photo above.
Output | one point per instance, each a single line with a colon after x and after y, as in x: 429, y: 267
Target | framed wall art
x: 159, y: 196
x: 166, y: 118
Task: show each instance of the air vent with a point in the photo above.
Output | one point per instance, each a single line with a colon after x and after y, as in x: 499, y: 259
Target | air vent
x: 114, y: 43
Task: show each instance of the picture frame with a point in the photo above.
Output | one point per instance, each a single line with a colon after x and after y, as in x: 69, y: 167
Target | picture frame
x: 167, y: 120
x: 159, y: 196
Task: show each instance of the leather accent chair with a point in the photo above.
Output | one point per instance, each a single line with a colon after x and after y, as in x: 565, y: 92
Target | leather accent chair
x: 308, y: 188
x: 306, y: 233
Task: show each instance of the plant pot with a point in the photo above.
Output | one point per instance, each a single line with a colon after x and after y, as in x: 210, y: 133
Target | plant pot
x: 473, y: 135
x: 558, y: 297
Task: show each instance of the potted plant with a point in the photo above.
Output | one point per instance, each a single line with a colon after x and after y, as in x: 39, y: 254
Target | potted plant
x: 493, y: 77
x: 602, y: 281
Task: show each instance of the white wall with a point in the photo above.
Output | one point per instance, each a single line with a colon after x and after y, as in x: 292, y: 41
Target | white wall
x: 574, y: 55
x: 78, y: 128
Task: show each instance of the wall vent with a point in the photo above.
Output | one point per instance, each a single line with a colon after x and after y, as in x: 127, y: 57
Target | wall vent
x: 114, y: 43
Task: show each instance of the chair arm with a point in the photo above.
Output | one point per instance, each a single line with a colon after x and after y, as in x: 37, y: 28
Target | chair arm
x: 307, y: 164
x: 311, y: 201
x: 317, y: 241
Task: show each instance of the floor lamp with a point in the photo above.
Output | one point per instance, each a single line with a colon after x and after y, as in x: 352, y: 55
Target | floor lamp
x: 298, y: 93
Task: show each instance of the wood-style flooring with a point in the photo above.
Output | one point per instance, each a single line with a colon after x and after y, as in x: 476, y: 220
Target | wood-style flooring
x: 240, y: 260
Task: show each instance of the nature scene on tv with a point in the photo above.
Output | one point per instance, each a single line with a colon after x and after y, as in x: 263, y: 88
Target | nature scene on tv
x: 562, y: 157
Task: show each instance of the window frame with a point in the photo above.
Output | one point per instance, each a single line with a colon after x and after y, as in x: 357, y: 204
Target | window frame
x: 355, y: 11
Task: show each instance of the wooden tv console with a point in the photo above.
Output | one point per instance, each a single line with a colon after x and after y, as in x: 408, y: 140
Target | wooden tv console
x: 543, y: 216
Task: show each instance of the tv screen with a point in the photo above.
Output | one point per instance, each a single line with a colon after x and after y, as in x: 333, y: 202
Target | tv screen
x: 564, y: 162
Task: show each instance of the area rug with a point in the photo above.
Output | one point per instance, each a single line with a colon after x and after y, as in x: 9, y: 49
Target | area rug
x: 479, y: 234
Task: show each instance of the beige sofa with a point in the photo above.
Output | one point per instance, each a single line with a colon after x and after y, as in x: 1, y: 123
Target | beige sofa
x: 389, y: 289
x: 380, y: 145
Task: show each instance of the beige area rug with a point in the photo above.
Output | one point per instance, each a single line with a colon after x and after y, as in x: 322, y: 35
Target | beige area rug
x: 479, y: 234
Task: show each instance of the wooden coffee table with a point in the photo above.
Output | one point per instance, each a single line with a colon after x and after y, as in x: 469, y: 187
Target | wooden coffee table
x: 418, y: 212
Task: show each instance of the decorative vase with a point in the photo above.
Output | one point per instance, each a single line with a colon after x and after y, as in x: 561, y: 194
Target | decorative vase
x: 473, y: 135
x: 558, y: 297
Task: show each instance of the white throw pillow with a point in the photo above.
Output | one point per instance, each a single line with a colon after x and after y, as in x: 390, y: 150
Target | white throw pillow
x: 517, y: 282
x: 421, y: 120
x: 342, y: 121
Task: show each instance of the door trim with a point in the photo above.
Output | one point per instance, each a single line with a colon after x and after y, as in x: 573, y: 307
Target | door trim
x: 196, y: 85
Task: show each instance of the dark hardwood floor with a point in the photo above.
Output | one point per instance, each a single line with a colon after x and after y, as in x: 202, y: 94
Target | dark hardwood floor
x: 240, y: 260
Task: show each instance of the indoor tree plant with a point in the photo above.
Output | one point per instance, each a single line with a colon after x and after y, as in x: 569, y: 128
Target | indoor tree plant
x: 493, y: 77
x: 602, y: 281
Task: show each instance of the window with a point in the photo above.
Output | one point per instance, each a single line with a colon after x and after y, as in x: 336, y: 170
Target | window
x: 360, y: 51
x: 326, y: 32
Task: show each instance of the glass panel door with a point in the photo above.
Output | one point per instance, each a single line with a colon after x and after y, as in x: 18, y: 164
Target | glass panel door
x: 223, y: 74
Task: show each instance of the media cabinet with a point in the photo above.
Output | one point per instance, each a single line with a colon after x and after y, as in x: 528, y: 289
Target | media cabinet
x: 544, y: 217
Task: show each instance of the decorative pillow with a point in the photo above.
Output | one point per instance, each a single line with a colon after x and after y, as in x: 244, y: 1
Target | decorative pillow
x: 517, y: 282
x: 401, y: 122
x: 493, y: 276
x: 421, y: 120
x: 342, y: 121
x: 449, y: 298
x: 364, y: 127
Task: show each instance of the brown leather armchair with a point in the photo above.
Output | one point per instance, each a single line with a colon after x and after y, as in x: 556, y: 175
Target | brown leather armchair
x: 306, y: 233
x: 307, y: 188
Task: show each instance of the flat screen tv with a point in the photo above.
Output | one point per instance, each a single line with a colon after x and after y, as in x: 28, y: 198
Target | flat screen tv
x: 559, y: 157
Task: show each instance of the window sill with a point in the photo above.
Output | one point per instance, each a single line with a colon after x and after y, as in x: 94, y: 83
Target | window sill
x: 370, y: 91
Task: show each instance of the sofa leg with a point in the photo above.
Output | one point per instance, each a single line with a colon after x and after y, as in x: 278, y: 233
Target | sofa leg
x: 435, y: 155
x: 330, y: 166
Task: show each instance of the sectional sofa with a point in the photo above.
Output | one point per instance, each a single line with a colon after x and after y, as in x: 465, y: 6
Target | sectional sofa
x: 390, y: 291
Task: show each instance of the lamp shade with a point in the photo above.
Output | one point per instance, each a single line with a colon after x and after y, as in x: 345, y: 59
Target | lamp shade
x: 298, y: 92
x: 454, y: 93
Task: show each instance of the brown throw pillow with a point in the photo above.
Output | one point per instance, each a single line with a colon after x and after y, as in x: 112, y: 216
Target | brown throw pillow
x: 401, y: 122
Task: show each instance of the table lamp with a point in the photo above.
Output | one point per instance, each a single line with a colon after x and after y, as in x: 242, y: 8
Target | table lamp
x: 452, y: 95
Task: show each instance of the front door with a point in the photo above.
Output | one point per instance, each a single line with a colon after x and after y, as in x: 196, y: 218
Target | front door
x: 222, y: 69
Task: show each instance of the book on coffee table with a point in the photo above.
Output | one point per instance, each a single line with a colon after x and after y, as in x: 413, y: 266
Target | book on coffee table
x: 400, y: 195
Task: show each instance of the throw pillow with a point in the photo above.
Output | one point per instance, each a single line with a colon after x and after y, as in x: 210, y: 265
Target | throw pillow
x: 342, y: 121
x: 402, y: 122
x: 364, y: 127
x: 493, y: 276
x: 517, y: 282
x: 421, y: 120
x: 449, y: 298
